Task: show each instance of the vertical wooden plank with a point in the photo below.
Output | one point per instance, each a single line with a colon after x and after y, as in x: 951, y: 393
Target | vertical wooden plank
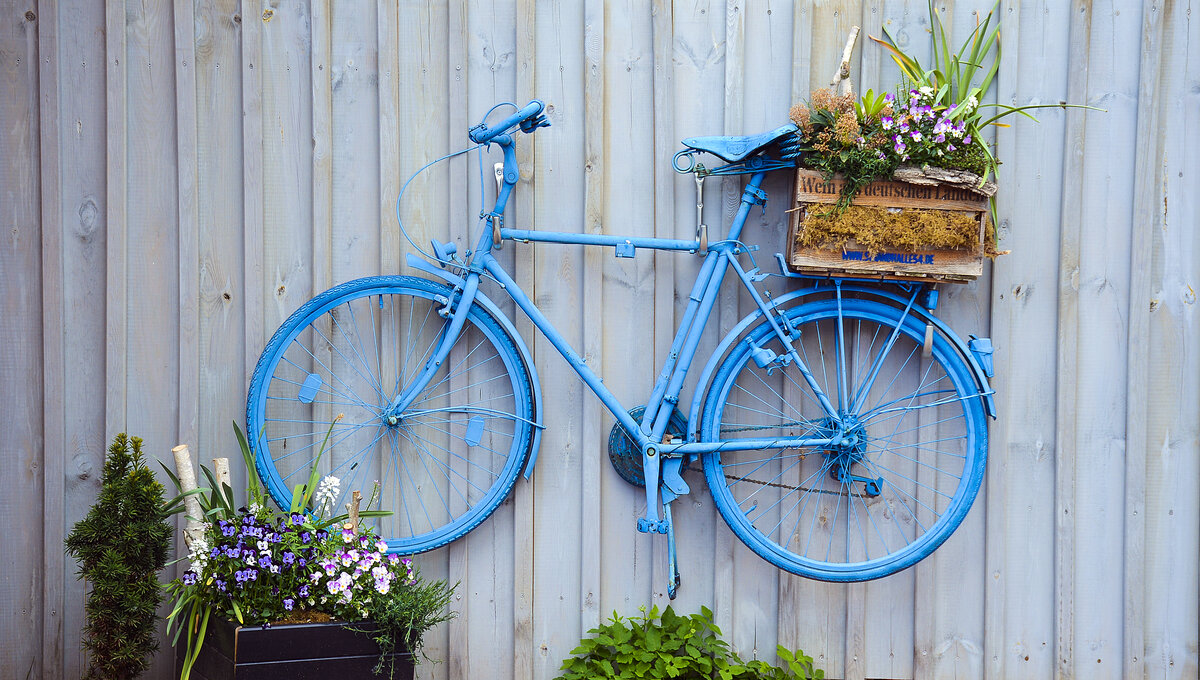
x: 458, y: 222
x: 21, y: 339
x: 524, y: 656
x: 211, y: 148
x: 1147, y: 219
x: 1019, y: 604
x: 287, y: 77
x: 957, y: 570
x: 1165, y: 215
x: 117, y: 173
x: 558, y: 272
x: 188, y: 219
x: 150, y: 315
x: 251, y: 19
x: 482, y: 73
x: 1095, y: 293
x: 53, y: 365
x: 727, y: 549
x: 390, y: 135
x: 424, y: 60
x: 1068, y: 337
x: 322, y: 135
x: 812, y: 614
x: 592, y: 299
x: 73, y: 303
x: 619, y: 176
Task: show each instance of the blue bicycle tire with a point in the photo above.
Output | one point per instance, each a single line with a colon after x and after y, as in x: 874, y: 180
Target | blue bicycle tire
x: 876, y: 507
x: 450, y: 459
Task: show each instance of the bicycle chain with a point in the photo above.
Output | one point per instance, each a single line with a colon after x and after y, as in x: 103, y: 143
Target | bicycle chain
x: 776, y: 484
x: 794, y: 488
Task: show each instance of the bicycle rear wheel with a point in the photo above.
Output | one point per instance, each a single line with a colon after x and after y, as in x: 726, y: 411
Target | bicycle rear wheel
x: 444, y: 464
x: 911, y: 459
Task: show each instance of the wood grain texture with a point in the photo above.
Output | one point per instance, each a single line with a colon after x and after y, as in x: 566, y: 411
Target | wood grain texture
x: 150, y: 318
x: 227, y: 151
x: 22, y: 452
x: 1020, y: 611
x: 1162, y: 306
x: 557, y: 288
x: 53, y: 365
x: 525, y: 652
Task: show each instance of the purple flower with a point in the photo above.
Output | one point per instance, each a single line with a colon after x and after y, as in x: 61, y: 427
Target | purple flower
x: 273, y: 537
x: 264, y: 561
x: 303, y: 590
x: 288, y: 603
x: 297, y: 519
x: 889, y: 97
x: 305, y: 537
x: 215, y: 552
x: 887, y: 122
x: 288, y: 557
x: 189, y: 578
x: 967, y: 139
x: 220, y: 584
x: 227, y: 529
x: 302, y: 562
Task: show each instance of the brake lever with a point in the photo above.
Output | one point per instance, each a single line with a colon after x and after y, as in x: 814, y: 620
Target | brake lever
x: 530, y: 124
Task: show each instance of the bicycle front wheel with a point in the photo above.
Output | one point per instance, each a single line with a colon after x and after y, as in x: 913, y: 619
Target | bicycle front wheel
x: 333, y: 370
x: 910, y: 441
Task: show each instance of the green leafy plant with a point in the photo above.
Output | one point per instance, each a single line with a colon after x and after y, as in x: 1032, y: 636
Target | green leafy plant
x: 121, y: 546
x: 838, y: 140
x: 673, y: 646
x: 958, y: 81
x: 258, y: 566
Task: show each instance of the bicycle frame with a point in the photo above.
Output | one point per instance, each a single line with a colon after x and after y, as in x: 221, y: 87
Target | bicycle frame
x: 649, y: 434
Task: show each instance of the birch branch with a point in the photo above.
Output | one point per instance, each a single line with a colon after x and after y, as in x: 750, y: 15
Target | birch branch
x: 842, y: 76
x: 194, y: 530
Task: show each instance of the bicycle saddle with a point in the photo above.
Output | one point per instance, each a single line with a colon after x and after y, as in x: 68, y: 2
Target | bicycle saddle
x: 735, y: 149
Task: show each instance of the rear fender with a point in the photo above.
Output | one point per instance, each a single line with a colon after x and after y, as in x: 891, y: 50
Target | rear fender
x: 783, y: 301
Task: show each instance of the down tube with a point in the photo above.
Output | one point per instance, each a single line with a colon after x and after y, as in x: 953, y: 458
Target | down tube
x: 560, y: 343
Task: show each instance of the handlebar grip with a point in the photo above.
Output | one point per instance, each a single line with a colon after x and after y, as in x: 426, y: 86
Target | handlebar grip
x: 526, y: 117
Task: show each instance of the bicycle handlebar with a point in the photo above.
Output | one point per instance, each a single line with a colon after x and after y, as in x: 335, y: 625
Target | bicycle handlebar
x: 529, y: 118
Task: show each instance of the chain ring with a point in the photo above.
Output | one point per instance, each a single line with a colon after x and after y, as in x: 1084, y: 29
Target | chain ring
x: 626, y: 456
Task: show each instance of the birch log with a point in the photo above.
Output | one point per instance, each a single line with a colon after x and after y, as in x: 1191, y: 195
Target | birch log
x: 842, y: 76
x: 194, y: 530
x: 221, y: 472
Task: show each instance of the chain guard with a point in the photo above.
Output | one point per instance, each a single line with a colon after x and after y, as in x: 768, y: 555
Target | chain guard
x: 624, y: 453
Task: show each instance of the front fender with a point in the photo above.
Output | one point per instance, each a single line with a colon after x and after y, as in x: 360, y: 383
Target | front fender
x: 782, y: 301
x: 506, y: 323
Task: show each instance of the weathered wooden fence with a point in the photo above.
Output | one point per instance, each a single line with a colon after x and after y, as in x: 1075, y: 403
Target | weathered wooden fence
x: 176, y: 177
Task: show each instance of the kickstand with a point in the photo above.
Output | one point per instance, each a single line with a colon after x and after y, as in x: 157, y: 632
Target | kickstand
x: 672, y: 557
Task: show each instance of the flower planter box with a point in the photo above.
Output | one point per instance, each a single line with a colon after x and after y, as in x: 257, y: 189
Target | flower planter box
x: 813, y: 194
x: 289, y: 652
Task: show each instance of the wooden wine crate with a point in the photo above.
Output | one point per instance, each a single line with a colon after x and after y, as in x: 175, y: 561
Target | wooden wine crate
x: 933, y: 264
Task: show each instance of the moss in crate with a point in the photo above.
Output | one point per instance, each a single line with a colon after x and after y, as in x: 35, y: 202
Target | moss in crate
x: 875, y: 229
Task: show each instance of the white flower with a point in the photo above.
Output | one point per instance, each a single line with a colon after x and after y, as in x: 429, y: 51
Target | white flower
x: 327, y: 492
x: 198, y: 554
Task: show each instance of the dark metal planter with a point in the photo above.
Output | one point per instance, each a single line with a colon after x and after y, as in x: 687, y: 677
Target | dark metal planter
x: 290, y: 652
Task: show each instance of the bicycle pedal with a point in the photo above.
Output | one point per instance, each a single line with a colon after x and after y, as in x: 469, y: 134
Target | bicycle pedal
x: 646, y: 526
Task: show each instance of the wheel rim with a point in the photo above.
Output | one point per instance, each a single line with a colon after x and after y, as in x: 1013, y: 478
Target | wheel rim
x: 856, y: 510
x: 445, y: 462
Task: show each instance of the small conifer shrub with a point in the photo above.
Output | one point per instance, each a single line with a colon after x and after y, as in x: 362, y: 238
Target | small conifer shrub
x: 121, y: 546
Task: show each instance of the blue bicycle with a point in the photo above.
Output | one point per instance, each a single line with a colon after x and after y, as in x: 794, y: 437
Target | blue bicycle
x: 840, y: 426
